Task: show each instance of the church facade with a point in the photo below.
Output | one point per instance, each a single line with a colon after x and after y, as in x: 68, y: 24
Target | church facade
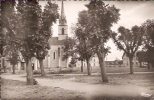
x: 54, y: 59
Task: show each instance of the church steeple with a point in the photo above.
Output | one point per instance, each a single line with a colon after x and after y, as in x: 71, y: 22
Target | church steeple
x: 62, y: 19
x: 62, y: 27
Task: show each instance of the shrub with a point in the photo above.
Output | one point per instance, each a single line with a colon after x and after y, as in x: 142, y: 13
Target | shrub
x: 35, y: 82
x: 51, y: 72
x: 68, y: 70
x: 36, y: 72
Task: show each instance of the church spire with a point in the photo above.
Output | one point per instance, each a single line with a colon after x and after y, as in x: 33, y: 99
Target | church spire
x: 62, y: 20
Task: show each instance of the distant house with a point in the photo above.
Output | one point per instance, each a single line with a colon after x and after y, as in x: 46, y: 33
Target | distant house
x: 94, y: 62
x: 126, y: 62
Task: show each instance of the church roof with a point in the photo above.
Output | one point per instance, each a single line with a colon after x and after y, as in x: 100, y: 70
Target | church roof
x: 55, y: 41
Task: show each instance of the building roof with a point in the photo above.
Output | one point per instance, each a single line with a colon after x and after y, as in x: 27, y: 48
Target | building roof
x: 55, y: 41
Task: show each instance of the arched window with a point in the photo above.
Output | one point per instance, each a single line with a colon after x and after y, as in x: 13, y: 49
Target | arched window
x: 58, y: 52
x: 62, y: 31
x: 54, y: 55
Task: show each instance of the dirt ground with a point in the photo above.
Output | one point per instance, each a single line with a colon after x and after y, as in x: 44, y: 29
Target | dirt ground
x: 116, y: 80
x: 77, y: 87
x: 17, y: 90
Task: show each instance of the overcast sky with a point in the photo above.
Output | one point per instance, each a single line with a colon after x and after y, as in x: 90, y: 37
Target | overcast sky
x: 132, y: 13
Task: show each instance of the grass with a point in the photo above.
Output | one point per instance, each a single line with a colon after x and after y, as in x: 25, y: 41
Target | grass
x: 94, y: 70
x: 117, y: 79
x: 16, y: 90
x: 114, y: 79
x: 115, y: 70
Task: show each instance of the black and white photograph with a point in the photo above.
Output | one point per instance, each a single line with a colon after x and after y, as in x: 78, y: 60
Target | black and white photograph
x: 76, y: 50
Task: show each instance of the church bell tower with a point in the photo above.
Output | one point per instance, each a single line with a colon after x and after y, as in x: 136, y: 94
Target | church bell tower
x: 62, y: 27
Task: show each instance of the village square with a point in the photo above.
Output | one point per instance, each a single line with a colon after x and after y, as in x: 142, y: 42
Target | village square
x: 94, y: 50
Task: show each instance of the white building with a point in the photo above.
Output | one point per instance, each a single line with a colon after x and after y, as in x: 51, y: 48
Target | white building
x: 126, y: 61
x: 94, y: 62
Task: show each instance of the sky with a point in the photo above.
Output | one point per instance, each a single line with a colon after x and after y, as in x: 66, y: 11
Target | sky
x: 131, y: 13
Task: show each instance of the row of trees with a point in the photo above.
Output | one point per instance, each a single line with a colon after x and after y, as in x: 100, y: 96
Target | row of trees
x: 27, y: 29
x: 93, y: 30
x: 139, y: 36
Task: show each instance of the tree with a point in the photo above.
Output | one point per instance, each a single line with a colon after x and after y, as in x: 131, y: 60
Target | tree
x: 83, y: 46
x: 73, y: 62
x: 150, y: 56
x: 148, y: 29
x: 129, y: 41
x: 7, y: 24
x: 29, y: 16
x: 79, y: 45
x: 31, y: 28
x: 49, y: 16
x: 7, y: 14
x: 1, y: 39
x: 101, y: 18
x: 10, y: 52
x: 69, y: 48
x: 82, y: 60
x: 120, y: 63
x: 142, y: 57
x: 13, y: 60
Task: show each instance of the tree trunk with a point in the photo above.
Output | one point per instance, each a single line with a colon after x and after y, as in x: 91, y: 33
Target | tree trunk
x: 4, y: 68
x: 88, y: 66
x: 42, y: 67
x: 29, y: 73
x: 102, y: 66
x: 152, y: 65
x: 26, y: 61
x: 13, y: 68
x: 140, y: 64
x: 131, y: 65
x: 3, y: 65
x: 81, y: 66
x: 148, y: 65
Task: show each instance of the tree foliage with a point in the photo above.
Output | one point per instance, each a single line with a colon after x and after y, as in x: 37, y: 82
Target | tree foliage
x: 101, y: 19
x: 69, y: 48
x: 129, y: 41
x: 48, y: 17
x: 7, y: 35
x: 148, y: 29
x: 142, y: 57
x: 30, y: 27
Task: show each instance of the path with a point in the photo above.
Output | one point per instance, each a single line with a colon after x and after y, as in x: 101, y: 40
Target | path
x: 108, y: 73
x: 90, y: 89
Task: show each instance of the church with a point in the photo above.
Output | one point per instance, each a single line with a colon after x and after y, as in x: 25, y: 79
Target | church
x: 55, y: 54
